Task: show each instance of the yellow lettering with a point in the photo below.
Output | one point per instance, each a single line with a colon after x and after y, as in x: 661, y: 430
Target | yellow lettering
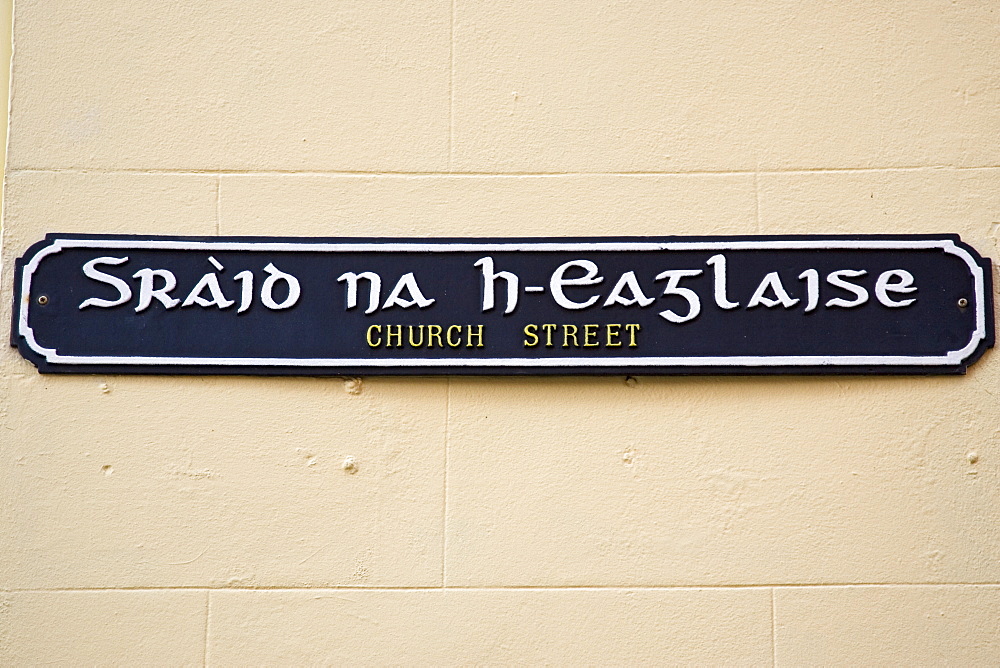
x: 590, y: 333
x: 458, y: 330
x: 434, y: 332
x: 374, y: 329
x: 568, y: 333
x: 477, y: 335
x: 529, y: 330
x: 632, y: 329
x: 613, y: 335
x: 548, y: 334
x: 420, y: 342
x: 389, y: 335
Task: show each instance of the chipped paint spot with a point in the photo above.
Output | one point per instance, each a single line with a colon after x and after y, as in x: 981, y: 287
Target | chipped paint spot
x: 628, y: 457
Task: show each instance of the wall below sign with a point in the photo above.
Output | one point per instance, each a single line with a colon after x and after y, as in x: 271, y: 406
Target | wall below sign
x: 692, y: 520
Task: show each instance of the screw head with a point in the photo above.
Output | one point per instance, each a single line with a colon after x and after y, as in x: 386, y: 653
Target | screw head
x: 43, y: 300
x: 963, y: 302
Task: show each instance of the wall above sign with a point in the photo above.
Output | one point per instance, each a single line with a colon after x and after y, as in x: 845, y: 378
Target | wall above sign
x: 638, y: 305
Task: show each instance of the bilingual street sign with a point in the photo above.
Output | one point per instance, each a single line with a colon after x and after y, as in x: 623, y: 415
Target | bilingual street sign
x: 631, y: 305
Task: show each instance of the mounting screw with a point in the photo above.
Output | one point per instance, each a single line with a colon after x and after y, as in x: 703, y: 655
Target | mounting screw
x: 43, y: 300
x: 963, y: 302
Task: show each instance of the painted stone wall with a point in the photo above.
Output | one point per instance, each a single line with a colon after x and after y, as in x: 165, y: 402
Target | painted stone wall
x: 788, y: 521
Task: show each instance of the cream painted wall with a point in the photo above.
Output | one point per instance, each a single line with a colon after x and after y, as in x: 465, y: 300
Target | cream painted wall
x: 756, y: 521
x: 6, y: 8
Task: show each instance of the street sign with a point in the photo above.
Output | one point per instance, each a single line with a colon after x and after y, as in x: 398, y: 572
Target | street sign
x: 632, y: 305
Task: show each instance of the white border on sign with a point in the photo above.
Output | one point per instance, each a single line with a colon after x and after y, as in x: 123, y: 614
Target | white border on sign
x: 951, y: 358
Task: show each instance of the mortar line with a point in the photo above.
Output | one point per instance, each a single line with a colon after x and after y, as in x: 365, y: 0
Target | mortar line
x: 208, y: 612
x: 326, y: 587
x: 473, y: 173
x: 9, y: 92
x: 444, y: 510
x: 774, y: 634
x: 218, y: 205
x: 756, y: 195
x: 451, y: 87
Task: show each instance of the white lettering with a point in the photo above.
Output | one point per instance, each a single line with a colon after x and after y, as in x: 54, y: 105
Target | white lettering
x: 557, y: 282
x: 674, y: 277
x: 147, y: 292
x: 245, y: 278
x: 210, y: 281
x: 835, y: 279
x: 628, y: 280
x: 275, y: 275
x: 718, y: 264
x: 811, y: 277
x: 489, y: 278
x: 904, y: 285
x: 124, y: 291
x: 374, y: 289
x: 773, y: 282
x: 409, y: 283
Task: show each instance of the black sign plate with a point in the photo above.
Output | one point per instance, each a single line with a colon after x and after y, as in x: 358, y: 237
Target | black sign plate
x: 639, y: 305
